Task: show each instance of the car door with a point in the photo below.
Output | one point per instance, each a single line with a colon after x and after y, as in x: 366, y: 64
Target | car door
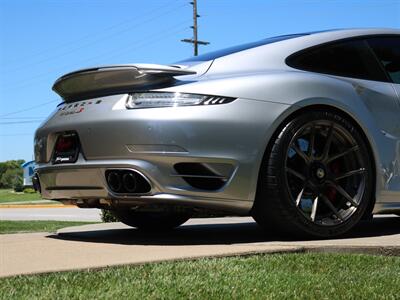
x: 387, y: 51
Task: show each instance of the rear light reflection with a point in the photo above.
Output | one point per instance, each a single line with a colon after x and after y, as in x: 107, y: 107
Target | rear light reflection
x: 66, y: 149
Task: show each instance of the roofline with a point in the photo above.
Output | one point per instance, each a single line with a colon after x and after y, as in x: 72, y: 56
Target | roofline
x: 349, y: 32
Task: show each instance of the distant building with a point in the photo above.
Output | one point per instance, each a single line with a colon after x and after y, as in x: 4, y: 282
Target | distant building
x: 29, y: 168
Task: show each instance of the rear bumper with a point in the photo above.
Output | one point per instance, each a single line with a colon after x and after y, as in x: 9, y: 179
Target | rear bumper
x: 85, y: 183
x: 231, y: 138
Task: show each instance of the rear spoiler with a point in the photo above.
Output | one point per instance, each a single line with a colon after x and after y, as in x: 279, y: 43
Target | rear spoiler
x: 101, y: 81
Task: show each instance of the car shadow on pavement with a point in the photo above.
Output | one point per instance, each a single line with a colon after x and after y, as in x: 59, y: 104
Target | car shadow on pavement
x: 217, y: 234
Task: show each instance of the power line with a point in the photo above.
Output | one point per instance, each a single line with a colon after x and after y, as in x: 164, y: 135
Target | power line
x: 149, y: 40
x: 19, y: 122
x: 26, y: 120
x: 57, y: 100
x: 195, y: 40
x: 29, y: 108
x: 95, y: 41
x: 16, y: 134
x: 155, y: 39
x: 22, y: 118
x: 85, y: 37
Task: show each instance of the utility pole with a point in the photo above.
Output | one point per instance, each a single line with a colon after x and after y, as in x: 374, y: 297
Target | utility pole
x: 195, y: 40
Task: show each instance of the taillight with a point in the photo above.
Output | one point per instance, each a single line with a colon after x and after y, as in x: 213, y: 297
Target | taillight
x: 65, y: 143
x: 168, y: 99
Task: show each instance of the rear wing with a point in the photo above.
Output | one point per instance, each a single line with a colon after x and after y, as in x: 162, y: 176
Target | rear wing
x: 100, y: 81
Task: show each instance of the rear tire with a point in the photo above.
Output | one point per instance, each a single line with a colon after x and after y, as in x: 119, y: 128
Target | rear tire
x: 151, y: 221
x: 316, y: 179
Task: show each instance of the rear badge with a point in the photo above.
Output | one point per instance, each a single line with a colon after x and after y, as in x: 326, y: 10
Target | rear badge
x: 76, y: 108
x: 73, y: 111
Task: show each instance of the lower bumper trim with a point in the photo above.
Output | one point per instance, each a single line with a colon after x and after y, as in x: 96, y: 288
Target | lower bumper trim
x: 72, y: 188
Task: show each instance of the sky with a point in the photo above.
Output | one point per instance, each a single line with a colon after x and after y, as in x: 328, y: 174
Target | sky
x: 40, y: 40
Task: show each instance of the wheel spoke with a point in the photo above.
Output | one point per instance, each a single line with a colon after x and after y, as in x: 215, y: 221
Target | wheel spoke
x: 328, y: 142
x: 344, y: 194
x: 312, y: 142
x: 348, y: 151
x: 350, y: 173
x: 296, y: 174
x: 300, y: 196
x: 301, y: 153
x: 331, y: 207
x: 314, y: 209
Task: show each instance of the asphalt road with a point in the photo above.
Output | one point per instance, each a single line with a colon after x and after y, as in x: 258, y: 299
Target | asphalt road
x: 48, y: 213
x: 101, y: 245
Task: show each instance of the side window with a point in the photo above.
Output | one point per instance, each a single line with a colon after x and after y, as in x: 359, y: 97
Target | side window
x: 346, y: 58
x: 387, y: 50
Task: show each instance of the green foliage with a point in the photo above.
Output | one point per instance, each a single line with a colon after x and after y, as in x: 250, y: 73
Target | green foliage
x: 11, y: 174
x: 29, y: 191
x: 18, y: 184
x: 11, y: 178
x: 107, y: 216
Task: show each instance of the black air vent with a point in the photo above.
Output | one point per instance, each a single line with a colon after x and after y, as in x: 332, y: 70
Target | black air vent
x: 201, y: 176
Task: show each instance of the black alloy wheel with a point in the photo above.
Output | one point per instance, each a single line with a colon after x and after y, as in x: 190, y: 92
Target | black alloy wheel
x: 317, y: 179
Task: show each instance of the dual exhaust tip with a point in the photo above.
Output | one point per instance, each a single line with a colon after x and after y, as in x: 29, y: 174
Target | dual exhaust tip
x: 127, y: 182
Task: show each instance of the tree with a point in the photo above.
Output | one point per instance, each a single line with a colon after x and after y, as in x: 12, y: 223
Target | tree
x: 11, y: 174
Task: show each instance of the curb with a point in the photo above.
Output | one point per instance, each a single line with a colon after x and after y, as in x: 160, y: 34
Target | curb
x: 36, y: 206
x: 284, y: 250
x: 366, y: 250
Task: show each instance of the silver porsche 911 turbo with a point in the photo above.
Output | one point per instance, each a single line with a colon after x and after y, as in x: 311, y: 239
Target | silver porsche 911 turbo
x: 300, y: 131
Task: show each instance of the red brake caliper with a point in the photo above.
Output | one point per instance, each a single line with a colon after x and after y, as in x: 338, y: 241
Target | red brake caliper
x: 332, y: 192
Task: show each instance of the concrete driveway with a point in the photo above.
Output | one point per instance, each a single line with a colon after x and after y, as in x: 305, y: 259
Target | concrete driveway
x: 101, y: 245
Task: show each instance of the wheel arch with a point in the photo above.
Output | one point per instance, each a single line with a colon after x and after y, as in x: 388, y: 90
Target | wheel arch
x: 331, y: 108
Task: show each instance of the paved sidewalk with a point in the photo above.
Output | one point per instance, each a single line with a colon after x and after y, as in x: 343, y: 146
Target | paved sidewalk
x: 51, y: 212
x: 101, y: 245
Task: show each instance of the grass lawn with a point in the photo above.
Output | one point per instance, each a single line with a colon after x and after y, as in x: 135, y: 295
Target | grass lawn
x: 8, y: 195
x: 35, y: 226
x: 280, y: 276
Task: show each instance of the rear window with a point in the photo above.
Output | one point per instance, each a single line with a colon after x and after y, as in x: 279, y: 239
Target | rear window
x: 350, y: 58
x: 234, y: 49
